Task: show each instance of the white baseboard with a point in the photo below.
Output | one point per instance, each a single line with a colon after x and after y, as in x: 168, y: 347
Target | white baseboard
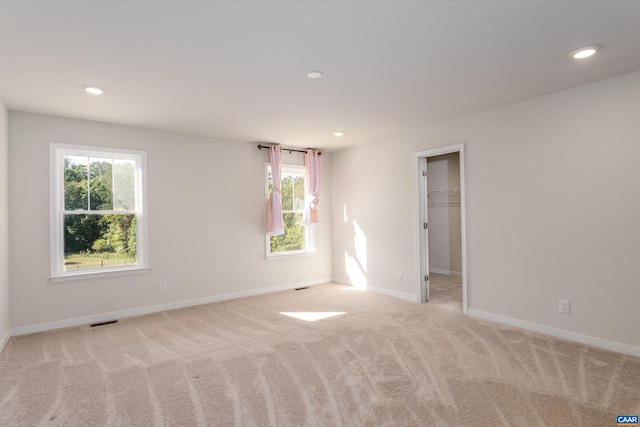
x: 77, y: 321
x: 383, y: 291
x: 571, y: 336
x: 4, y: 341
x: 445, y: 272
x: 341, y: 281
x: 395, y: 294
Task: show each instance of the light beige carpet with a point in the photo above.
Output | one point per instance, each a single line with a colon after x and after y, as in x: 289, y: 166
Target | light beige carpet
x: 446, y: 291
x: 384, y: 362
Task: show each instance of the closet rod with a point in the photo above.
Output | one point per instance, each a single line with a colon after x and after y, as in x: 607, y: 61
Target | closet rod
x: 260, y: 147
x: 448, y: 190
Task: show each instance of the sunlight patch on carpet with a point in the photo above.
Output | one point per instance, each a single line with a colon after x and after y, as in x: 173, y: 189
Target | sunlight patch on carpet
x: 312, y: 316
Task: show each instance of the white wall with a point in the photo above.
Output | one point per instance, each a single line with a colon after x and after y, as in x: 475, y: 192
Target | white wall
x: 552, y: 209
x: 4, y: 229
x: 445, y: 246
x: 206, y: 207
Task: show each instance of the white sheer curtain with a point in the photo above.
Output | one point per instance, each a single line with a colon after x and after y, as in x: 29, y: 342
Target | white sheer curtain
x: 275, y: 225
x: 313, y: 169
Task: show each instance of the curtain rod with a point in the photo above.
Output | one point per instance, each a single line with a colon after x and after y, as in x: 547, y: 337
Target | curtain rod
x: 260, y: 147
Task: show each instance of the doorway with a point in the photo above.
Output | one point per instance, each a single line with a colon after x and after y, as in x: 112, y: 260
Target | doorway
x: 441, y: 226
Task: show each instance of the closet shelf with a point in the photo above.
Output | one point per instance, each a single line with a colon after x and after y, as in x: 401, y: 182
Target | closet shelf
x: 448, y: 197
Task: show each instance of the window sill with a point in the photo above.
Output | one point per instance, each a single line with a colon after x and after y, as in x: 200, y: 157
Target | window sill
x: 98, y: 274
x: 285, y: 255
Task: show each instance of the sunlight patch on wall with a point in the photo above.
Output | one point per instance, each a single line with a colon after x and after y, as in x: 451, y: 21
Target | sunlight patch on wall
x: 360, y: 244
x: 312, y: 316
x: 355, y: 273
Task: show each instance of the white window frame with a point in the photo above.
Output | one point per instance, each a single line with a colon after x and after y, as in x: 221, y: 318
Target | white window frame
x: 310, y: 234
x: 57, y: 152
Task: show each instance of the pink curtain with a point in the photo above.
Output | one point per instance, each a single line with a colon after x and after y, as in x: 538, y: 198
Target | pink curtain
x: 275, y: 226
x: 313, y: 168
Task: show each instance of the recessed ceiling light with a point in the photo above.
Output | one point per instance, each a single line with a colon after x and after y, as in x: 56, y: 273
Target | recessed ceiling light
x: 93, y: 90
x: 584, y: 51
x: 314, y: 74
x: 339, y: 133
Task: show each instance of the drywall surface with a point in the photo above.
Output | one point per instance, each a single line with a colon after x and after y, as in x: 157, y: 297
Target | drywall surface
x: 4, y: 228
x: 206, y: 221
x: 552, y: 209
x: 445, y: 245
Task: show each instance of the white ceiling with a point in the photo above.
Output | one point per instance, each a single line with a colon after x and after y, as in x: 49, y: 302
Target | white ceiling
x: 236, y: 70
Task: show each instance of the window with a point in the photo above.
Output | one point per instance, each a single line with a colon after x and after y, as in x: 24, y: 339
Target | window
x: 297, y: 239
x: 97, y: 210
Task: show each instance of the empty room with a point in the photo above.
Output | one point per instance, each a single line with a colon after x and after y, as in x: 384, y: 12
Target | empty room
x: 319, y: 213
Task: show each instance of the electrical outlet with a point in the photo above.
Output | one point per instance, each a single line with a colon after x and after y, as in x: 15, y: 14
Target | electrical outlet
x: 400, y: 277
x: 563, y: 306
x: 162, y: 287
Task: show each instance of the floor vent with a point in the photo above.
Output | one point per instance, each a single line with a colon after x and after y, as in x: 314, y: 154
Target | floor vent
x: 109, y: 322
x: 299, y: 289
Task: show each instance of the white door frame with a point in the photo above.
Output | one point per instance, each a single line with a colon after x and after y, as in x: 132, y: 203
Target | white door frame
x: 422, y: 249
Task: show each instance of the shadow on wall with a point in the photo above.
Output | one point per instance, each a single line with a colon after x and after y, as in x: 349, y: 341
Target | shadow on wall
x: 355, y: 261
